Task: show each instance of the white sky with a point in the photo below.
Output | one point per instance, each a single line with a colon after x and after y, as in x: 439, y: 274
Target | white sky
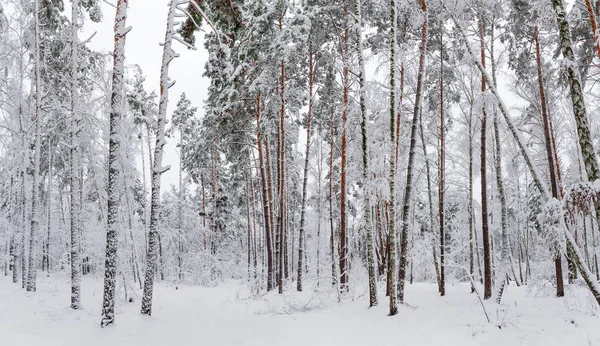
x: 148, y: 19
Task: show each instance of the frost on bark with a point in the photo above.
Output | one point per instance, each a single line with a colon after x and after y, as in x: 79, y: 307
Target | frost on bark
x: 75, y: 207
x: 157, y: 168
x: 35, y: 198
x: 367, y: 226
x: 406, y: 208
x: 391, y: 275
x: 114, y: 165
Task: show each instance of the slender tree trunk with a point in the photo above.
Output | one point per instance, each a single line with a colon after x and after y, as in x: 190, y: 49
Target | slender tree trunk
x: 487, y: 265
x: 75, y: 163
x: 442, y: 167
x: 157, y: 168
x: 281, y: 159
x: 391, y: 274
x: 311, y: 72
x: 560, y: 291
x: 110, y: 272
x: 506, y: 262
x: 430, y: 200
x: 472, y: 234
x: 265, y: 196
x: 367, y: 225
x: 35, y: 199
x: 332, y: 233
x: 345, y: 109
x: 406, y: 209
x: 48, y: 209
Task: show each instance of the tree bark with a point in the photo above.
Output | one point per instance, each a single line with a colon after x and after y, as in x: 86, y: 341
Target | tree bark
x: 35, y: 191
x: 110, y: 272
x: 367, y: 226
x: 391, y: 275
x: 406, y: 209
x: 157, y: 168
x: 487, y: 265
x: 75, y: 163
x: 560, y: 291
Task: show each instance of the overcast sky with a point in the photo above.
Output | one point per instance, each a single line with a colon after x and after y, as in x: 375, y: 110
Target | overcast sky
x: 148, y: 19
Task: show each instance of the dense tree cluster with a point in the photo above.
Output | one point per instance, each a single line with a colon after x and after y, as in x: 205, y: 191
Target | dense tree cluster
x: 342, y: 144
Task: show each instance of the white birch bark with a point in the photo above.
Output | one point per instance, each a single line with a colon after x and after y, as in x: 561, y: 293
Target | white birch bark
x: 75, y: 164
x: 35, y: 212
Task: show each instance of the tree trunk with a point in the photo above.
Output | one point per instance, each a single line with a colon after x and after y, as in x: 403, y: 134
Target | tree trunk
x: 265, y: 197
x: 311, y: 70
x: 391, y: 274
x: 345, y: 109
x: 442, y: 167
x: 487, y: 265
x: 75, y: 164
x: 560, y: 291
x: 110, y: 273
x: 35, y: 191
x: 157, y: 168
x: 406, y: 209
x: 281, y: 159
x: 367, y: 226
x: 332, y: 233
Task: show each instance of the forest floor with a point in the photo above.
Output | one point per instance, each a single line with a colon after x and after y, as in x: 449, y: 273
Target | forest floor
x: 228, y: 315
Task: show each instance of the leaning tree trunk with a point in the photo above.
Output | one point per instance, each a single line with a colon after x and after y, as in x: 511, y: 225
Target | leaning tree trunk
x: 365, y: 155
x: 157, y: 168
x: 75, y: 164
x: 406, y: 208
x: 35, y: 191
x: 114, y: 166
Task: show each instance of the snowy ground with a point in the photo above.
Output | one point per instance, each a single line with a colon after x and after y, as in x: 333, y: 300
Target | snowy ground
x: 227, y: 315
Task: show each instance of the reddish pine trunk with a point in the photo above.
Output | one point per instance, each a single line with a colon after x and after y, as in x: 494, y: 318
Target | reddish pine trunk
x: 560, y: 291
x: 265, y: 197
x: 487, y: 265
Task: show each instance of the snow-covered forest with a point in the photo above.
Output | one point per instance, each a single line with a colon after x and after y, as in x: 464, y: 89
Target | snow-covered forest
x: 343, y: 172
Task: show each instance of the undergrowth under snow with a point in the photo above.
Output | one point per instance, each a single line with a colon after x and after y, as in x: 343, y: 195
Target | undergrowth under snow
x: 230, y: 315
